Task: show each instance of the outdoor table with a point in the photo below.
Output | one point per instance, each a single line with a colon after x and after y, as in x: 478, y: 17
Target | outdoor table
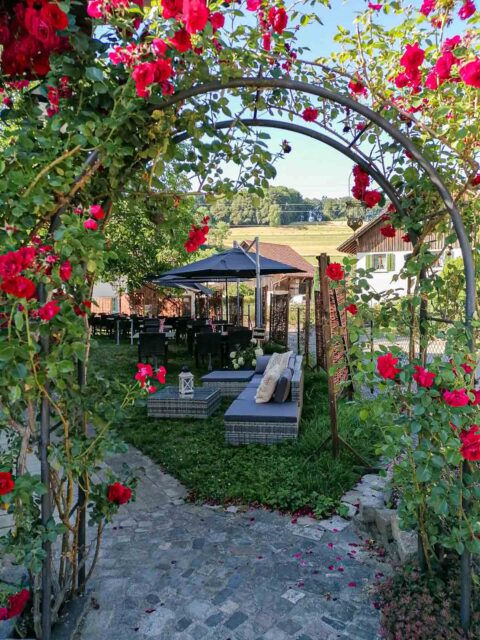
x: 169, y: 403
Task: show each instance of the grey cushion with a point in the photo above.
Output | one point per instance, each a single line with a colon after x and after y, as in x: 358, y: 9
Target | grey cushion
x: 282, y: 390
x: 228, y: 376
x: 261, y: 365
x: 248, y: 411
x: 248, y: 393
x: 255, y: 381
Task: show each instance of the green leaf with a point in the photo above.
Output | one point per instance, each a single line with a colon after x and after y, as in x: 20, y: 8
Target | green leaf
x: 94, y: 73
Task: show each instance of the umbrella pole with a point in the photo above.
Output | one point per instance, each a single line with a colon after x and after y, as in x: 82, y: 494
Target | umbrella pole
x: 226, y: 300
x: 258, y: 286
x: 238, y: 304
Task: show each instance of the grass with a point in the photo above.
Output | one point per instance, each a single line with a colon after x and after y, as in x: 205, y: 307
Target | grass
x: 298, y: 476
x: 309, y: 240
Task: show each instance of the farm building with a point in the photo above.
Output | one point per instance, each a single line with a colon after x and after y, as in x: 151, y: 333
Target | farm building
x: 386, y: 256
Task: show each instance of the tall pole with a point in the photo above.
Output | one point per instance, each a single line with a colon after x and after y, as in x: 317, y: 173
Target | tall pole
x: 238, y: 304
x: 46, y: 500
x: 258, y: 286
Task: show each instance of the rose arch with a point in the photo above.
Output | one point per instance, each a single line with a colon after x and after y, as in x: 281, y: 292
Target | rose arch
x: 44, y: 365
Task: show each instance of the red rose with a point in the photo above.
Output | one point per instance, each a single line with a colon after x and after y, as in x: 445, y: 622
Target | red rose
x: 54, y: 16
x: 118, y: 493
x: 172, y: 9
x: 163, y: 70
x: 65, y: 271
x: 90, y: 224
x: 310, y: 114
x: 195, y: 15
x: 456, y: 398
x: 450, y: 43
x: 432, y: 81
x: 374, y: 6
x: 6, y: 482
x: 352, y: 308
x: 253, y: 5
x: 11, y: 264
x: 159, y: 47
x: 278, y: 19
x: 386, y: 366
x: 143, y: 76
x: 357, y: 87
x: 217, y: 20
x: 78, y: 309
x: 20, y: 287
x: 470, y: 73
x: 467, y: 10
x: 423, y: 377
x: 267, y: 41
x: 335, y: 271
x: 181, y: 41
x: 94, y: 8
x: 476, y: 394
x: 427, y: 7
x: 161, y: 375
x: 470, y: 448
x: 443, y: 66
x: 372, y: 198
x: 406, y: 238
x: 467, y: 368
x: 97, y: 212
x: 388, y: 231
x: 48, y: 311
x: 17, y: 603
x: 475, y: 181
x: 412, y: 58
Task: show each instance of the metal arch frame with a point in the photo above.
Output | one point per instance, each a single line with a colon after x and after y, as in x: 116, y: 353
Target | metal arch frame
x: 316, y: 135
x: 380, y: 121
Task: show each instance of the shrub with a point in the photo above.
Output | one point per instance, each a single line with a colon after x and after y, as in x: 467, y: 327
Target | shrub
x: 419, y: 607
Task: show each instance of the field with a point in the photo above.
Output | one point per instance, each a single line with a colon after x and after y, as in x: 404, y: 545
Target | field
x: 309, y: 240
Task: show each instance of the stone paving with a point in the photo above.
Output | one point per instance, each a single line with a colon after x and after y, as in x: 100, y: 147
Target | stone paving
x: 171, y: 570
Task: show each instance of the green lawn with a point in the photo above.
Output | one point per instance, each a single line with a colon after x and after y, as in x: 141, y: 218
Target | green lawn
x: 309, y: 240
x: 289, y: 476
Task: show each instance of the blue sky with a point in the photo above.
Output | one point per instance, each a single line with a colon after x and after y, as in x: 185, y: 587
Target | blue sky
x: 313, y: 168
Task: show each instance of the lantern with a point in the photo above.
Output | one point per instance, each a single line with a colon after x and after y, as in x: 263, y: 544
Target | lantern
x: 355, y: 213
x: 185, y: 382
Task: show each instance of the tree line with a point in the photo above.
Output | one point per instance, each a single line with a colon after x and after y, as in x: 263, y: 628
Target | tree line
x: 279, y: 205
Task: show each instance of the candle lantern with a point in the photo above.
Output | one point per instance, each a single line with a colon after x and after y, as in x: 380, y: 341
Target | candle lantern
x: 185, y: 382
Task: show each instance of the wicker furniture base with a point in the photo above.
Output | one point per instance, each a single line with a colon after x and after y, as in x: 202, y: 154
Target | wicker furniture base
x: 230, y: 383
x: 168, y: 403
x: 251, y: 433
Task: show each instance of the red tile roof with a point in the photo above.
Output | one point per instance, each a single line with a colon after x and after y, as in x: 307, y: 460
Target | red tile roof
x: 284, y: 253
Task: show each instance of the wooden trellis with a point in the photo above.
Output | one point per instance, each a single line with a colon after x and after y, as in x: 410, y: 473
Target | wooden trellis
x: 279, y: 318
x: 234, y: 308
x: 332, y: 348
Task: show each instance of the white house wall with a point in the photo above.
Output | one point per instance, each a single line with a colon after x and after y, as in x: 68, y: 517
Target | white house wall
x: 382, y: 280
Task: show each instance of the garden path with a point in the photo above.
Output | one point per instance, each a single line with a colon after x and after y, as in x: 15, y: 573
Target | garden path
x: 172, y: 570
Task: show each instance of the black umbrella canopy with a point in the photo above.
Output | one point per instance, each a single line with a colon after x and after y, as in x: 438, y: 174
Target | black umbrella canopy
x: 180, y: 283
x: 232, y: 264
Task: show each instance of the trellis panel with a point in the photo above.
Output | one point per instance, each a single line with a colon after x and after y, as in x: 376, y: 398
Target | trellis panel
x: 279, y: 318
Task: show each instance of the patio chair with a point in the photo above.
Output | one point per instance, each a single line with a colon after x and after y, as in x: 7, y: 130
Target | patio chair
x: 181, y: 329
x: 239, y: 338
x: 193, y: 331
x: 208, y: 344
x: 153, y: 346
x: 151, y: 325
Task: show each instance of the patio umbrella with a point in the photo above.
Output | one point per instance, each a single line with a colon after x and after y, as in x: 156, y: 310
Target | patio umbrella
x: 179, y: 283
x: 234, y: 264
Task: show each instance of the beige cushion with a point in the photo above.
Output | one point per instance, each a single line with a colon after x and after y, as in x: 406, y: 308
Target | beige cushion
x: 278, y: 360
x: 267, y: 385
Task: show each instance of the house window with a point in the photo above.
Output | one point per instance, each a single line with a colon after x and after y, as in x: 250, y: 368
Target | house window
x: 381, y: 262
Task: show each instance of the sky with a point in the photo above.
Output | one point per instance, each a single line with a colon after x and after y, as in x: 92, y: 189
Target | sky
x: 311, y: 167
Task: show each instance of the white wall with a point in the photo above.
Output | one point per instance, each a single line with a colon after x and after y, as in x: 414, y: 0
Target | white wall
x: 382, y: 280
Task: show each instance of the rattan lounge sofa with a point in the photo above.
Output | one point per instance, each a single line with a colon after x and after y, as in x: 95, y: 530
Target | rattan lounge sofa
x: 247, y: 422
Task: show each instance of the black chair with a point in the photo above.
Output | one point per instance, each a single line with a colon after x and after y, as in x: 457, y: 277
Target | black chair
x: 239, y: 338
x: 193, y: 331
x: 210, y: 345
x: 181, y: 329
x: 153, y: 346
x: 151, y: 325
